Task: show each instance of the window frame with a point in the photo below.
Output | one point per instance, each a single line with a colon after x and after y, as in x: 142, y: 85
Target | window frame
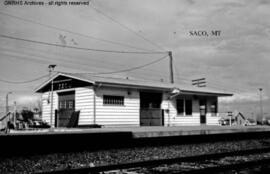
x: 62, y: 104
x: 184, y: 114
x: 120, y: 103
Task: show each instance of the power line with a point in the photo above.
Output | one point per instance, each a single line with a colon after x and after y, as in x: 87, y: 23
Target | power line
x: 72, y: 32
x: 22, y: 82
x: 220, y: 85
x: 127, y: 28
x: 78, y: 48
x: 47, y: 59
x: 132, y: 69
x: 112, y: 72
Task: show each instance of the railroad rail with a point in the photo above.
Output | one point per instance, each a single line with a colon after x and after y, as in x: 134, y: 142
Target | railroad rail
x: 197, y: 158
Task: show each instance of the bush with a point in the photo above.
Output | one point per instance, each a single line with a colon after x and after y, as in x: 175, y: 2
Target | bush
x: 27, y: 115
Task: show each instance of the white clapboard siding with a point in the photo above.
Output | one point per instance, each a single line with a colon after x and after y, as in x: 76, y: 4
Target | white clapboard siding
x: 212, y: 120
x: 186, y: 120
x: 46, y: 106
x: 172, y: 119
x: 127, y: 115
x: 84, y: 102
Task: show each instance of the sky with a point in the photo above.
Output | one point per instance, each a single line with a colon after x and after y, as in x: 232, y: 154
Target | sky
x: 235, y: 61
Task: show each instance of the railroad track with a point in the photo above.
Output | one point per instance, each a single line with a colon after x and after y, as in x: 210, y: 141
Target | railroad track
x: 158, y: 162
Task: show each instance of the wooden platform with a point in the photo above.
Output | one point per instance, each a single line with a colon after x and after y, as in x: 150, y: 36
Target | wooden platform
x: 154, y: 131
x: 74, y: 139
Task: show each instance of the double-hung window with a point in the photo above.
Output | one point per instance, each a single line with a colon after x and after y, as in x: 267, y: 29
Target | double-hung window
x: 184, y: 107
x: 180, y: 106
x: 188, y: 107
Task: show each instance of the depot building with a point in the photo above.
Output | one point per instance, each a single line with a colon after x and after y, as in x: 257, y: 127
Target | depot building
x: 111, y: 102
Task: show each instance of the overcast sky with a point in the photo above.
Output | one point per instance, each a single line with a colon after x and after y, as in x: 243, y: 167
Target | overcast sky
x: 236, y: 61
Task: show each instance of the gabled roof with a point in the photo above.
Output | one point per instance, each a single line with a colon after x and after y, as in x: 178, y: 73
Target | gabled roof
x: 135, y: 83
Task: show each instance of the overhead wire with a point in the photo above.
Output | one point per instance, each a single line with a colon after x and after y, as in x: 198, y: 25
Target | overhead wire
x: 72, y: 32
x: 42, y: 61
x: 22, y: 82
x: 133, y: 68
x: 111, y: 72
x: 219, y: 85
x: 127, y: 28
x: 45, y: 59
x: 78, y: 48
x: 177, y: 73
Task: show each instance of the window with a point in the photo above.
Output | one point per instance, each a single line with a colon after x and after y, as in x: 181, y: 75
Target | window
x: 188, y: 107
x: 66, y: 104
x: 214, y: 108
x: 180, y: 106
x: 62, y: 104
x: 113, y: 100
x: 184, y: 107
x: 70, y: 104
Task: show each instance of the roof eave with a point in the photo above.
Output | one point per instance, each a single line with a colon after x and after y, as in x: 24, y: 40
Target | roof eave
x: 206, y: 93
x: 132, y: 86
x: 38, y: 89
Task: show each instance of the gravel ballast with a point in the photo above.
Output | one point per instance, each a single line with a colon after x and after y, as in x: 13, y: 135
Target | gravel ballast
x: 57, y: 161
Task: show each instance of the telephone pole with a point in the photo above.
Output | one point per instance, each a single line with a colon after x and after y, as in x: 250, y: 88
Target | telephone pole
x: 171, y: 67
x: 261, y: 106
x: 51, y: 68
x: 15, y: 114
x: 7, y: 107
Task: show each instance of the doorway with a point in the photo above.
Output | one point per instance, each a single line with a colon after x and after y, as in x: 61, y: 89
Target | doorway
x: 66, y: 107
x: 150, y: 109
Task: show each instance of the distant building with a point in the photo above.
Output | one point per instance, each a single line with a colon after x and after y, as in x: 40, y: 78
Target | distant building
x: 112, y: 101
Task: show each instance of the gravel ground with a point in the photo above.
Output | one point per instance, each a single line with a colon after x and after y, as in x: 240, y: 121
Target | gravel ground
x: 49, y: 162
x: 187, y: 166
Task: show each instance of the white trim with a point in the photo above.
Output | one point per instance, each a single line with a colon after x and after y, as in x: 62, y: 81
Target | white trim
x: 59, y: 74
x: 140, y: 86
x: 184, y: 107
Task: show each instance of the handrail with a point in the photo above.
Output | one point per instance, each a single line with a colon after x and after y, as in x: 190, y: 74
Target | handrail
x: 1, y: 119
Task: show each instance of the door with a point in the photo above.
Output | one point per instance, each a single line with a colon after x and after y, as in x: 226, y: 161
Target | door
x: 151, y: 117
x: 150, y: 111
x: 66, y: 108
x: 203, y: 111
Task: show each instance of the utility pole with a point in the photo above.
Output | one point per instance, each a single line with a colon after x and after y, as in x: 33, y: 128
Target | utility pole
x: 7, y: 108
x: 51, y: 68
x: 261, y: 106
x: 15, y: 114
x: 171, y: 67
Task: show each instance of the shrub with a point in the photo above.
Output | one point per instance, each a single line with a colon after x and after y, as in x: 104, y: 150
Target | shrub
x: 27, y: 115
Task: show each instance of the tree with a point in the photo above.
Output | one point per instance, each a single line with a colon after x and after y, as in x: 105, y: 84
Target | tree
x: 27, y: 115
